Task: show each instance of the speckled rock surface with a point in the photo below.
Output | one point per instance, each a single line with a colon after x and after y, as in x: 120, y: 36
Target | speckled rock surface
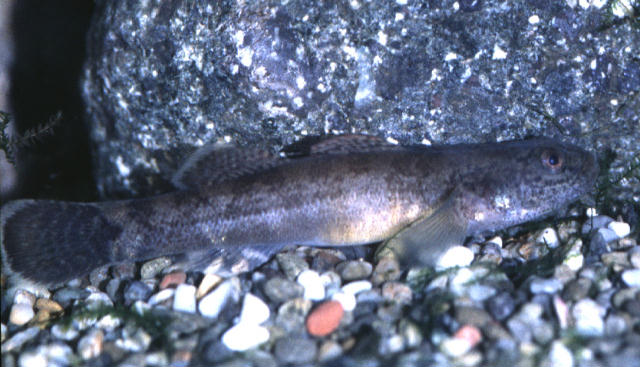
x: 164, y: 78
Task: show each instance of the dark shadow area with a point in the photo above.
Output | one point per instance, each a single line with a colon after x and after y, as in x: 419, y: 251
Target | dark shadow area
x: 50, y: 48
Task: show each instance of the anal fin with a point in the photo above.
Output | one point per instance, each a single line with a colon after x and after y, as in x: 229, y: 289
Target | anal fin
x: 228, y: 260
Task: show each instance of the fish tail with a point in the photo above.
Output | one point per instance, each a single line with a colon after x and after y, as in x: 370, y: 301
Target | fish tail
x: 50, y: 242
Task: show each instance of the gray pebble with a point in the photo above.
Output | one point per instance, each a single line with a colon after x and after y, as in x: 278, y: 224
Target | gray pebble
x: 354, y: 270
x: 577, y: 289
x: 615, y: 325
x: 64, y: 332
x: 541, y: 285
x: 595, y: 223
x: 136, y: 291
x: 19, y: 338
x: 292, y: 314
x: 291, y: 264
x: 280, y: 289
x: 153, y: 267
x: 501, y: 306
x: 66, y: 296
x: 99, y: 275
x: 295, y: 350
x: 124, y: 271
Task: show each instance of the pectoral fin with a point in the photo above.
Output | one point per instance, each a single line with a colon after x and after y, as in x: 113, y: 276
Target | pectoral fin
x: 424, y: 241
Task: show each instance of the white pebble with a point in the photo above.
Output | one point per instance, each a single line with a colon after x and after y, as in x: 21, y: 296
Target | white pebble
x: 90, y: 345
x: 244, y: 336
x: 347, y: 300
x: 496, y: 240
x: 64, y: 332
x: 560, y: 355
x: 631, y: 277
x: 455, y: 347
x: 312, y: 283
x: 185, y: 298
x: 455, y: 256
x: 161, y: 296
x: 254, y: 310
x: 549, y: 237
x: 621, y: 229
x: 21, y: 314
x: 588, y: 318
x: 213, y: 303
x: 32, y: 359
x: 24, y: 297
x: 357, y: 287
x: 98, y: 299
x: 461, y: 280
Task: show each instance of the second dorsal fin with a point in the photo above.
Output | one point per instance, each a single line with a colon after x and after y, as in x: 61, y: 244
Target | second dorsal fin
x: 337, y: 144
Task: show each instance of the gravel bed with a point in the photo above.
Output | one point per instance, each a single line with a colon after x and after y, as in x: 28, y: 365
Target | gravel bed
x: 564, y: 295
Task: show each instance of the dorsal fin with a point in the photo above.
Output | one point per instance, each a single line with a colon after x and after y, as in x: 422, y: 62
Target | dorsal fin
x: 216, y: 163
x: 337, y: 144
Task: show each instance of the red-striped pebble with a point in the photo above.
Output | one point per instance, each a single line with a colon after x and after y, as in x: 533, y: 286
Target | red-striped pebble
x: 325, y: 318
x: 469, y: 333
x: 173, y: 279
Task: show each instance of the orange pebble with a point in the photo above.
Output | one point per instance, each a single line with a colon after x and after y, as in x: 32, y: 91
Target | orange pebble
x: 173, y: 279
x: 325, y: 318
x: 469, y: 333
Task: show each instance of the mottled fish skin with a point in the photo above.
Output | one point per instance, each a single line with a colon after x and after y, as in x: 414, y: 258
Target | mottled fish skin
x: 346, y: 197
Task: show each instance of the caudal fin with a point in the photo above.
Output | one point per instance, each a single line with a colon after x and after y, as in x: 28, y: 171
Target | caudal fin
x: 50, y: 242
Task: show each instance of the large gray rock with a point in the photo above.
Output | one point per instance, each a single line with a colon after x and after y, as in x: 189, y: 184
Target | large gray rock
x: 165, y: 77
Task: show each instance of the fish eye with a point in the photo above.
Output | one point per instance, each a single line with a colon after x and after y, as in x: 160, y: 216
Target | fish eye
x: 551, y: 159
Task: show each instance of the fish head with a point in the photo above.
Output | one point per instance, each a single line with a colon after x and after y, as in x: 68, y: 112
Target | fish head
x: 526, y: 180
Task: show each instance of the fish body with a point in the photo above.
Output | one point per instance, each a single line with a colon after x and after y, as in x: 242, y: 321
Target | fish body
x: 233, y: 210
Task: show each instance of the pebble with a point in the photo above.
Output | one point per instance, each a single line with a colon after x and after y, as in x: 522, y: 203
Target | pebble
x: 24, y: 297
x: 213, y: 303
x: 615, y: 325
x: 542, y: 285
x: 621, y: 229
x: 291, y: 350
x: 329, y: 350
x: 90, y: 345
x: 291, y: 264
x: 312, y: 284
x: 549, y: 237
x: 455, y: 256
x: 161, y: 296
x: 184, y: 298
x: 64, y: 332
x: 173, y: 279
x: 559, y: 356
x: 347, y: 300
x: 21, y: 313
x: 354, y: 270
x: 293, y: 314
x: 153, y: 267
x: 469, y: 333
x: 98, y: 299
x: 390, y: 344
x: 455, y: 347
x: 387, y: 269
x: 254, y: 310
x: 357, y: 287
x: 596, y: 222
x: 562, y: 311
x: 209, y: 281
x: 631, y: 277
x: 32, y: 358
x: 588, y: 318
x: 48, y: 305
x: 280, y: 289
x: 3, y: 332
x: 136, y: 291
x: 397, y: 292
x: 134, y: 340
x: 325, y: 318
x: 19, y: 338
x: 245, y: 336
